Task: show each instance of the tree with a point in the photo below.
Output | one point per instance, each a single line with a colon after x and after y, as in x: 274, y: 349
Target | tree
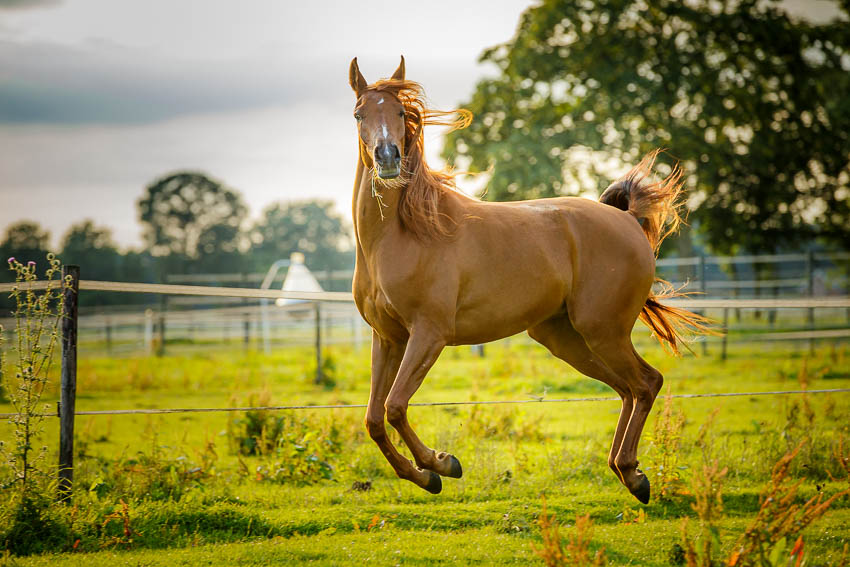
x: 751, y: 101
x: 93, y: 249
x: 26, y: 241
x: 310, y: 227
x: 187, y: 215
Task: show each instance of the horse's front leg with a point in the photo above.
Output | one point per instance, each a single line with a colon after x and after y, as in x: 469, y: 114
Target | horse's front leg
x: 386, y: 358
x: 423, y: 349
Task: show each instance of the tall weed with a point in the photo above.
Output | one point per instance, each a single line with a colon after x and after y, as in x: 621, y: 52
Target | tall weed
x: 28, y: 522
x: 577, y: 552
x: 666, y: 439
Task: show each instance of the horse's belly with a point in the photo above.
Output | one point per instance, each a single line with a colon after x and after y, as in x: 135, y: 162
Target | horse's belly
x: 493, y: 320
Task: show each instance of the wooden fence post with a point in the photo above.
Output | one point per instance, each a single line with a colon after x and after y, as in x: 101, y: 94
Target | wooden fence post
x: 68, y: 387
x: 725, y: 333
x: 810, y: 291
x: 318, y: 314
x: 246, y: 316
x: 163, y: 306
x: 703, y: 287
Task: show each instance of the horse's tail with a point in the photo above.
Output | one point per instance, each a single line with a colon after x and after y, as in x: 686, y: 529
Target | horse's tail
x: 656, y: 207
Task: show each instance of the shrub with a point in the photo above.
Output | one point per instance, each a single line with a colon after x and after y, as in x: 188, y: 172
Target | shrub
x: 293, y: 448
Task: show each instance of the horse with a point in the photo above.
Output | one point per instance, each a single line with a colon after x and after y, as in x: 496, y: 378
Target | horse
x: 435, y: 268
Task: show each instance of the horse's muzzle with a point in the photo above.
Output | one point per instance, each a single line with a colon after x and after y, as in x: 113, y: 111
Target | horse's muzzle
x: 387, y: 160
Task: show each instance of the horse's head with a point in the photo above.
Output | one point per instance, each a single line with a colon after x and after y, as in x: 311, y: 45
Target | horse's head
x: 380, y: 122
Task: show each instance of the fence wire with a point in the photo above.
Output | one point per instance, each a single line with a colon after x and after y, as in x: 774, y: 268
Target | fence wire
x: 153, y: 411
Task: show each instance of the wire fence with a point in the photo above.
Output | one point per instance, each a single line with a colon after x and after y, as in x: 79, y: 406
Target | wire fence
x: 155, y: 411
x: 66, y: 408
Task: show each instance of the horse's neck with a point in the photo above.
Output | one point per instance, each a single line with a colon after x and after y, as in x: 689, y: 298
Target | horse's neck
x: 374, y: 216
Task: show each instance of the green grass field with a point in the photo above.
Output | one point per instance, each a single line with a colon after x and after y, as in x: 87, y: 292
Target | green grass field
x: 317, y: 490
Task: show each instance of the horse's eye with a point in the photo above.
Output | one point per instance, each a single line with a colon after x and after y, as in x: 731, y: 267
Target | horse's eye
x: 401, y: 113
x: 358, y: 117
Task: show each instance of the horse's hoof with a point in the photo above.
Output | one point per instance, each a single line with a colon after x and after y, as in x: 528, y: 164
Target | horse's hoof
x: 642, y: 491
x: 435, y: 483
x: 455, y: 471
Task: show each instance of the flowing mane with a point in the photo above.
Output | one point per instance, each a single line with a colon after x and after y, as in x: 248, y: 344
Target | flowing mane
x: 419, y: 203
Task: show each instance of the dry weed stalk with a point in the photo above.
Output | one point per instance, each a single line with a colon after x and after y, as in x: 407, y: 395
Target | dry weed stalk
x: 577, y: 552
x: 127, y: 532
x: 842, y: 458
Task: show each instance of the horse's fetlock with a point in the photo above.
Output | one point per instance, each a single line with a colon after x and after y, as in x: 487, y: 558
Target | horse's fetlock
x: 623, y: 465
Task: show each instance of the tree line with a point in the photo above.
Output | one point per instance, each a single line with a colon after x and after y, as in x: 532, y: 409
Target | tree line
x: 191, y: 223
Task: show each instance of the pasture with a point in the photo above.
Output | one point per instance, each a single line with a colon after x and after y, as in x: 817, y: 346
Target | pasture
x: 310, y: 486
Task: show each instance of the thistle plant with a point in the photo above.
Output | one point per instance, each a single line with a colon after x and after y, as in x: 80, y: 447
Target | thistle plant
x: 37, y: 315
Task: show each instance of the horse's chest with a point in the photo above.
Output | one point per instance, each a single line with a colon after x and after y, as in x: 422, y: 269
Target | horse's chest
x: 377, y: 309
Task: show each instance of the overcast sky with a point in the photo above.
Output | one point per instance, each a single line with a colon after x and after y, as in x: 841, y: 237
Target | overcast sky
x: 98, y: 98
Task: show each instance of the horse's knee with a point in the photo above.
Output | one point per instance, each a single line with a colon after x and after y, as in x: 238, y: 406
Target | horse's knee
x: 375, y: 427
x: 396, y: 414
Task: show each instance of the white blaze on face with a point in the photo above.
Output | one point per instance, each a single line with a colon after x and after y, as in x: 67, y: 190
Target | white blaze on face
x: 381, y: 101
x: 384, y: 130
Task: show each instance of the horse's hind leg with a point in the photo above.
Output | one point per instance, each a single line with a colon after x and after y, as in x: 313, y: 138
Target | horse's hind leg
x: 644, y: 383
x: 561, y: 338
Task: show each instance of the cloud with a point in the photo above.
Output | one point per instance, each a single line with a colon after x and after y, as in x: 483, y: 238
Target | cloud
x: 27, y: 4
x: 103, y: 83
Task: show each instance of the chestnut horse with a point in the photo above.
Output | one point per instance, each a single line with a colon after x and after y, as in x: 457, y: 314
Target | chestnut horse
x: 435, y: 268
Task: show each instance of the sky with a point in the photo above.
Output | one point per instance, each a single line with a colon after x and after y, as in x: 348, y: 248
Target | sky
x: 99, y: 98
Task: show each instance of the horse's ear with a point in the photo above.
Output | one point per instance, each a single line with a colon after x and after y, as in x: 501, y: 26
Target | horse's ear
x: 355, y: 78
x: 399, y: 73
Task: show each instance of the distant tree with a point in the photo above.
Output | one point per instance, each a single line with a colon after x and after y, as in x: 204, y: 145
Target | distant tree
x: 189, y: 216
x: 26, y: 241
x: 92, y: 248
x: 752, y: 101
x: 310, y: 227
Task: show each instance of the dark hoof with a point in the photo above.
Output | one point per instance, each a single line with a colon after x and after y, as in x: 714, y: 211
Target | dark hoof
x: 456, y: 471
x: 435, y: 483
x: 642, y: 491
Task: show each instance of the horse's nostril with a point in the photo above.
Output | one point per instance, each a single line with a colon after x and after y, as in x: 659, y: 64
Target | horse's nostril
x: 387, y: 153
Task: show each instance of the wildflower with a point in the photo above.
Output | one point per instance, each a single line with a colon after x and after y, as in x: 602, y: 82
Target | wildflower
x: 11, y: 259
x: 31, y: 263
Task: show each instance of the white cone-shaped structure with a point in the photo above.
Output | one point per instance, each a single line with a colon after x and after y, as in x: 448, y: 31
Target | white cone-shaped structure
x: 298, y: 278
